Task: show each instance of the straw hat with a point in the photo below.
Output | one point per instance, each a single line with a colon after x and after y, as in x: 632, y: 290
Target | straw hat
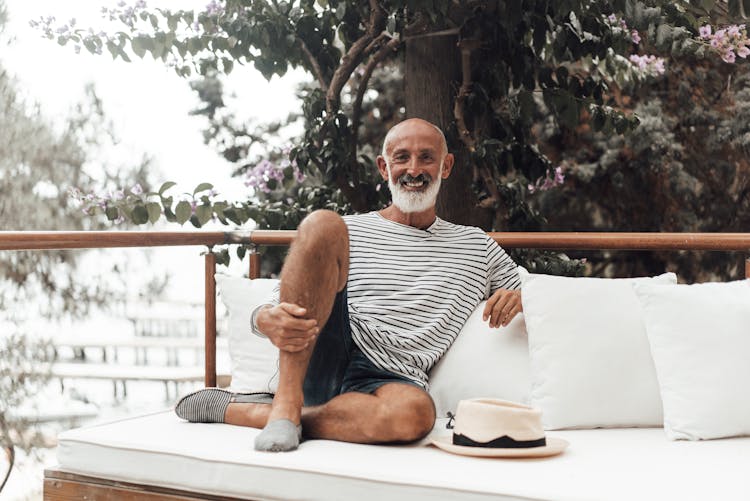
x: 489, y: 427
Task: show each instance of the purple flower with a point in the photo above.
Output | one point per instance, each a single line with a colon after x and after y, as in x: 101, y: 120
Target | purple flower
x: 635, y: 37
x: 214, y: 9
x: 648, y: 64
x: 705, y: 31
x: 299, y: 176
x: 137, y: 189
x: 743, y: 52
x: 559, y: 176
x: 546, y: 182
x: 728, y: 56
x: 612, y: 18
x: 118, y: 195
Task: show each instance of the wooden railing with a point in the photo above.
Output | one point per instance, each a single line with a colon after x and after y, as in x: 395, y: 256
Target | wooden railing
x: 57, y: 240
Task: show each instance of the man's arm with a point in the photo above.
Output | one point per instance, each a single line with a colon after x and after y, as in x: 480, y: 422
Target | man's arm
x: 286, y: 325
x: 502, y: 306
x: 504, y: 302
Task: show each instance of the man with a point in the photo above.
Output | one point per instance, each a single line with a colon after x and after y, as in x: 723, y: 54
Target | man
x: 367, y: 305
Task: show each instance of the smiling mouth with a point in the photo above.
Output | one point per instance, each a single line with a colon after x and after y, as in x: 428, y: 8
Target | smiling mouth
x: 414, y: 183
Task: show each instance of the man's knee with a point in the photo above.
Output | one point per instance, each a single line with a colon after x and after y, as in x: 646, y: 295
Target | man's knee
x: 323, y: 225
x: 407, y: 419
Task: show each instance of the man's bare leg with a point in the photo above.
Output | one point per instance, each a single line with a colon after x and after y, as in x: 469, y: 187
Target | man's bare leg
x: 314, y: 271
x: 396, y: 412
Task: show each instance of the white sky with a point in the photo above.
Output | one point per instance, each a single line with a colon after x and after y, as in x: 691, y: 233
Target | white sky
x: 148, y: 104
x: 147, y: 101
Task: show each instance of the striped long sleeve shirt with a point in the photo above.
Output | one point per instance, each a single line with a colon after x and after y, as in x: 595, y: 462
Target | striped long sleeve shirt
x: 411, y: 290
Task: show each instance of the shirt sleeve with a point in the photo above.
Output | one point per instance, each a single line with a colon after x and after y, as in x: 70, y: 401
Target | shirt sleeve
x: 272, y: 299
x: 275, y: 297
x: 502, y: 271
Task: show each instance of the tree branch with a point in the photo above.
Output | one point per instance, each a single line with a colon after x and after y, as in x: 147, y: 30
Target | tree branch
x: 480, y: 170
x: 376, y: 59
x: 354, y: 56
x: 316, y: 69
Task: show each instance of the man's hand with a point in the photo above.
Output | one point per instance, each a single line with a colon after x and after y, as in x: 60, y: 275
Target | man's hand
x: 287, y: 327
x: 502, y: 306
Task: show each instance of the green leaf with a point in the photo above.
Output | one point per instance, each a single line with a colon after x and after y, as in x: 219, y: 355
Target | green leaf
x: 231, y: 214
x: 154, y: 211
x: 204, y: 213
x: 112, y: 213
x: 166, y: 186
x: 140, y: 214
x: 183, y: 211
x: 598, y: 119
x: 241, y: 251
x: 169, y: 215
x: 138, y: 46
x: 202, y: 187
x: 223, y: 257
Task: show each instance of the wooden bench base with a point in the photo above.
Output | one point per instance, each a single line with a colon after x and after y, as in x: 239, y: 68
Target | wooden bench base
x: 63, y: 486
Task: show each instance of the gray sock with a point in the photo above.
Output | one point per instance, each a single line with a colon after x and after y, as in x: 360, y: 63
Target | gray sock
x: 280, y: 435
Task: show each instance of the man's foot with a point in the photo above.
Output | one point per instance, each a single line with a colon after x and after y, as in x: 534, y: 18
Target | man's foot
x: 280, y: 435
x: 209, y: 405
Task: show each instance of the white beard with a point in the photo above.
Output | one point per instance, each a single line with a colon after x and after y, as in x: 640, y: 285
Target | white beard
x: 414, y: 201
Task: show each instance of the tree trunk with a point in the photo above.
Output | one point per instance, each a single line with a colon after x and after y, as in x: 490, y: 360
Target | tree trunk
x: 432, y: 75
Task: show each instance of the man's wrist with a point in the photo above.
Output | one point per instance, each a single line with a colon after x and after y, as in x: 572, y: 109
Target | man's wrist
x: 254, y: 320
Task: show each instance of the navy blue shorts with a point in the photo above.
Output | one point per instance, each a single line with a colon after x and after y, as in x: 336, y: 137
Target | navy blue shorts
x: 337, y: 365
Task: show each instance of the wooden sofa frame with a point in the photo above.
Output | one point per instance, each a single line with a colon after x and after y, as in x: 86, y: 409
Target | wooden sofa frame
x: 60, y: 485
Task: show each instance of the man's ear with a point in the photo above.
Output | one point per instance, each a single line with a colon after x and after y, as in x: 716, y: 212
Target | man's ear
x: 448, y: 165
x: 382, y: 168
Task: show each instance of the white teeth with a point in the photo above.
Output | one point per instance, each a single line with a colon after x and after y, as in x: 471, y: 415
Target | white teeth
x: 414, y: 184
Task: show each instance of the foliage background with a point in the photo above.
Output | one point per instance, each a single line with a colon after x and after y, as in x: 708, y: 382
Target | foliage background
x: 528, y: 92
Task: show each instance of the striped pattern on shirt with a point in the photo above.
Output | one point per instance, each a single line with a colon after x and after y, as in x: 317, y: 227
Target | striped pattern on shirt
x: 411, y: 290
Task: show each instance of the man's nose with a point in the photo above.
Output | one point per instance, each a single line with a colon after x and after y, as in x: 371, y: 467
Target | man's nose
x: 413, y: 167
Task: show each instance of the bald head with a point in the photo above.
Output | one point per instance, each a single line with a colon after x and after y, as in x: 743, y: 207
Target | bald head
x: 415, y: 126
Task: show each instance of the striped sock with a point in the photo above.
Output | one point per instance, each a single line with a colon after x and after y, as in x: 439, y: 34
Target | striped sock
x: 204, y: 406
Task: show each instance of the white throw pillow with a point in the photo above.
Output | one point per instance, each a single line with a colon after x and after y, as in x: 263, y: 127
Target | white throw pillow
x: 591, y: 365
x: 255, y: 361
x: 483, y: 362
x: 700, y: 341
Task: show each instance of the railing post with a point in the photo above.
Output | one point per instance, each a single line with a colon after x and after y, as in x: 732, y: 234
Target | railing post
x: 254, y: 270
x: 210, y: 373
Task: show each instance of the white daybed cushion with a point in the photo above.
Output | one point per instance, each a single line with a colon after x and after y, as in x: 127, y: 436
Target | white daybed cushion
x: 483, y: 362
x: 613, y: 464
x: 590, y: 360
x: 700, y: 341
x: 254, y: 360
